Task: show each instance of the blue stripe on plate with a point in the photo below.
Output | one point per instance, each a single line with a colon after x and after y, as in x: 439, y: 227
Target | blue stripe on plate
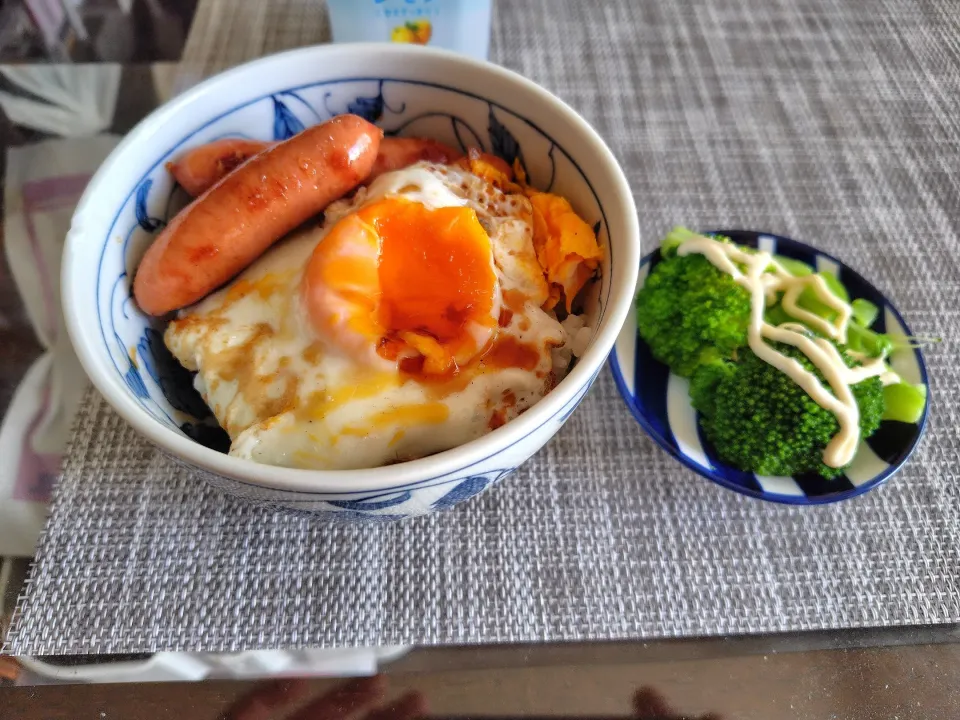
x: 880, y: 324
x: 651, y: 389
x: 893, y: 440
x: 813, y: 484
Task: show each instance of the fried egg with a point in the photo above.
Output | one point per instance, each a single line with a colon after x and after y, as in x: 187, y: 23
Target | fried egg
x: 410, y: 322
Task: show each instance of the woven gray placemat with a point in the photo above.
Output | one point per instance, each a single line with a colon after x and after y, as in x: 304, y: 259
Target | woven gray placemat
x: 833, y: 122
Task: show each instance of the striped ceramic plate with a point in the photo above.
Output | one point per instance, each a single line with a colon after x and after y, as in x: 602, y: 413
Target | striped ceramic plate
x: 660, y: 401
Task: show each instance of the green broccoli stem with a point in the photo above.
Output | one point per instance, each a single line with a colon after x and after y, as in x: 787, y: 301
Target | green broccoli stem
x: 904, y: 402
x: 835, y: 286
x: 864, y: 312
x: 866, y: 341
x: 797, y: 268
x: 809, y: 300
x: 860, y: 338
x: 674, y: 239
x: 776, y: 315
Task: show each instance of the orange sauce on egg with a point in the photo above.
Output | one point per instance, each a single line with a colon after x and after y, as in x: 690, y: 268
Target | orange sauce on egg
x: 508, y: 352
x: 432, y: 413
x: 313, y: 352
x: 514, y: 299
x: 499, y: 416
x: 323, y: 402
x: 498, y: 419
x: 204, y: 325
x: 234, y: 364
x: 436, y: 278
x: 435, y: 269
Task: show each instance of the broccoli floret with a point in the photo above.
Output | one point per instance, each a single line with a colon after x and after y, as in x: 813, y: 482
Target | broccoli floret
x: 760, y: 420
x: 704, y: 383
x: 690, y: 313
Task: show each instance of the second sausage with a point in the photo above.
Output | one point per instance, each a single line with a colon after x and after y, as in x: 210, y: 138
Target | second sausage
x: 233, y: 223
x: 201, y: 168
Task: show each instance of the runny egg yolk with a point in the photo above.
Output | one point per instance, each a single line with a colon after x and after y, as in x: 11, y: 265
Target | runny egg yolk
x: 399, y: 282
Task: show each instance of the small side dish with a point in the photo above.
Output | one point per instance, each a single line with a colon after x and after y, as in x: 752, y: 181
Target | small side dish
x: 785, y: 371
x: 349, y: 301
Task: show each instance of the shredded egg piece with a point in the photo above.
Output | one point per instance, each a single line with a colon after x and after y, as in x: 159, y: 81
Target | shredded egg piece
x: 763, y: 277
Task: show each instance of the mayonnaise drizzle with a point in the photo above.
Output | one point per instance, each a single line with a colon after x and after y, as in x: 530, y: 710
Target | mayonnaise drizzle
x: 764, y: 277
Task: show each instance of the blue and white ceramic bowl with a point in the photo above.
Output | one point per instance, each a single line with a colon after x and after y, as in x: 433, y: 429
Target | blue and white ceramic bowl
x: 408, y: 91
x: 660, y: 400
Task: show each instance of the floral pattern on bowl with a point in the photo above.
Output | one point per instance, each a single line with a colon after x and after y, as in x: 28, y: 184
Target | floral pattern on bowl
x: 133, y: 342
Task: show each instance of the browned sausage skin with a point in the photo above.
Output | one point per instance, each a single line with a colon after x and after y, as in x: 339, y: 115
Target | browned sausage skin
x: 236, y: 220
x: 201, y: 168
x: 396, y: 153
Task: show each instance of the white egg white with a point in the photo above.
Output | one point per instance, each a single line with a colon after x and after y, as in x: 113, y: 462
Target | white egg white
x: 287, y: 399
